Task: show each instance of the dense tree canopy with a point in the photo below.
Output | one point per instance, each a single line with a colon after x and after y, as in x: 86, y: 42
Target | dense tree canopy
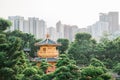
x: 12, y: 58
x: 95, y: 71
x: 4, y: 24
x: 44, y: 65
x: 82, y: 48
x: 117, y: 68
x: 108, y: 52
x: 66, y: 69
x: 82, y: 36
x: 64, y: 45
x: 28, y: 41
x: 32, y: 73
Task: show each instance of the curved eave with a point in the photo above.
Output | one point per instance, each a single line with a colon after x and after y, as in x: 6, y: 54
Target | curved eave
x: 37, y: 44
x: 41, y: 61
x: 47, y: 59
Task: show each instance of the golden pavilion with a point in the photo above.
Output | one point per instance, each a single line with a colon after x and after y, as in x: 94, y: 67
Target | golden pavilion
x: 47, y: 52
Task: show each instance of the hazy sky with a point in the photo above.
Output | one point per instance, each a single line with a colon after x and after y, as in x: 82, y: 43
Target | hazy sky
x: 74, y: 12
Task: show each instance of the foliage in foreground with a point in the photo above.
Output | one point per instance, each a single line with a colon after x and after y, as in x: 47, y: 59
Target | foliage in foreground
x: 82, y: 48
x: 64, y: 45
x: 28, y: 41
x: 14, y: 64
x: 95, y: 71
x: 12, y: 58
x: 85, y: 48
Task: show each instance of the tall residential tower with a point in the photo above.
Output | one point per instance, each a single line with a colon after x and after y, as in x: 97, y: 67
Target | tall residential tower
x: 17, y: 23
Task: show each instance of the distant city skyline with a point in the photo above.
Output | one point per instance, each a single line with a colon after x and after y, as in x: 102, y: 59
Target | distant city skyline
x: 72, y: 12
x: 107, y: 25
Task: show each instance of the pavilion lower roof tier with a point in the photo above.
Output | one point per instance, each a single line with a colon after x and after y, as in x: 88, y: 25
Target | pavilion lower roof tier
x: 38, y: 59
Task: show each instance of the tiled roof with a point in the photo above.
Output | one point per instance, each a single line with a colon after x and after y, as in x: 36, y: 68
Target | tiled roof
x: 47, y: 42
x: 37, y: 59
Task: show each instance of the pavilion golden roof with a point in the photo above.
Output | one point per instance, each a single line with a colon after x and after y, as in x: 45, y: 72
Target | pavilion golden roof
x: 47, y: 41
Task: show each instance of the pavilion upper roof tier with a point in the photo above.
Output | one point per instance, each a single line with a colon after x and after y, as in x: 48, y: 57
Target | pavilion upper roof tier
x: 47, y: 41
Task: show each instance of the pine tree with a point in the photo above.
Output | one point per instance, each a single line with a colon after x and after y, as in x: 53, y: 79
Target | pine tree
x: 66, y: 69
x: 12, y: 58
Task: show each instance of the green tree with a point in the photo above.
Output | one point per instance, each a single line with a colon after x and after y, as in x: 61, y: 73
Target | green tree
x: 64, y: 45
x: 66, y: 69
x: 32, y: 73
x: 117, y: 45
x: 28, y: 41
x: 12, y: 58
x: 108, y: 52
x: 97, y: 63
x: 49, y: 76
x: 95, y: 71
x: 44, y: 65
x: 64, y: 61
x: 117, y: 68
x: 90, y: 72
x: 82, y: 36
x: 99, y: 51
x: 82, y: 48
x: 4, y: 24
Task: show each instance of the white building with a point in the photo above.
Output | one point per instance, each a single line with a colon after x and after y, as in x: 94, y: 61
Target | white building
x: 70, y: 31
x: 17, y: 23
x: 33, y: 25
x: 52, y: 32
x: 89, y: 29
x: 60, y: 29
x: 114, y: 35
x: 98, y: 29
x: 26, y: 28
x: 113, y: 20
x: 42, y: 30
x: 37, y: 27
x: 67, y: 31
x: 82, y: 30
x: 73, y: 32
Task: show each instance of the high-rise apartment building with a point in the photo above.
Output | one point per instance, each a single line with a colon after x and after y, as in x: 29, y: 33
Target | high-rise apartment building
x: 70, y: 31
x: 26, y: 28
x: 17, y: 23
x: 42, y: 30
x: 52, y: 32
x: 103, y: 17
x: 82, y: 30
x: 108, y: 24
x: 60, y: 29
x: 99, y: 29
x: 113, y: 20
x: 73, y: 32
x: 89, y: 29
x: 67, y: 31
x: 33, y: 26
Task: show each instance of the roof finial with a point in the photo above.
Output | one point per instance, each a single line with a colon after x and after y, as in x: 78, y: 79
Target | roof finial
x: 47, y: 36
